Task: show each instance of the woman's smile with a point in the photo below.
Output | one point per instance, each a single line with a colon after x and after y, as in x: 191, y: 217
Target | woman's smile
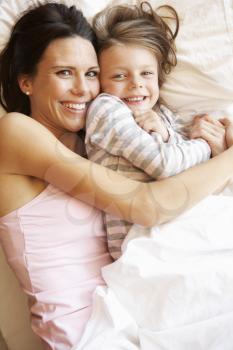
x: 67, y: 81
x: 74, y: 107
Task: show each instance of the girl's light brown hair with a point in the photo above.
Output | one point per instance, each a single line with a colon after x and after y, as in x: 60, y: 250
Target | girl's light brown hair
x: 142, y: 26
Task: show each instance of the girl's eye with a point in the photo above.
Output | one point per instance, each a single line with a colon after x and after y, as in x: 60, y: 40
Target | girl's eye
x: 92, y: 74
x: 64, y: 73
x: 147, y: 73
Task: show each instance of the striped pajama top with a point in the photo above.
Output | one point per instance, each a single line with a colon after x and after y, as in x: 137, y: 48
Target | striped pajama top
x: 114, y: 140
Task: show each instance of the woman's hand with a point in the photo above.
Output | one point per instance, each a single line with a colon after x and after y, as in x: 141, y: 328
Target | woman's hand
x: 212, y: 131
x: 228, y: 124
x: 150, y: 121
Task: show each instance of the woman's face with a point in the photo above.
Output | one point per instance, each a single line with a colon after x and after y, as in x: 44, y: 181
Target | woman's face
x: 65, y: 83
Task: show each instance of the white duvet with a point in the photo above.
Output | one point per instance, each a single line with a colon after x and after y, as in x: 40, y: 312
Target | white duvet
x: 172, y: 288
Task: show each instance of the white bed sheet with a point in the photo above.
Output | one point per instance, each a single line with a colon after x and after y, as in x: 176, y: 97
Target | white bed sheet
x: 172, y: 288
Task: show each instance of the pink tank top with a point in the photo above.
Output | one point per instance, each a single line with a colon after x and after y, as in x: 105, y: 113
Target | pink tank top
x: 56, y: 246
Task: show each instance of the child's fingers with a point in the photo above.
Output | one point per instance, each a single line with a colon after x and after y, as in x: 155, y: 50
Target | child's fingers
x: 150, y: 121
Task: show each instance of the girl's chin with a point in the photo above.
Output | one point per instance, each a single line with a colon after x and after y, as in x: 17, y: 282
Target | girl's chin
x: 138, y: 107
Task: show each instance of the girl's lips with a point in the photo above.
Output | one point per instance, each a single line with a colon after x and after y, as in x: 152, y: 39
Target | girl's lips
x: 134, y: 99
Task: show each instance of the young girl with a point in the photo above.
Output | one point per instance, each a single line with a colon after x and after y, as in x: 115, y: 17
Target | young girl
x: 136, y: 50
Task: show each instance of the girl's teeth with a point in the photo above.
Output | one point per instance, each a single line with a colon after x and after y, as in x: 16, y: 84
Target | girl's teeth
x: 134, y: 99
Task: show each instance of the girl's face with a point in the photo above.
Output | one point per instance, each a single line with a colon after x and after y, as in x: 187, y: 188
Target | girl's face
x: 130, y: 73
x: 65, y: 83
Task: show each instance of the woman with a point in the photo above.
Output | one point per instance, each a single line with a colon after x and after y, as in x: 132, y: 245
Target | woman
x: 52, y: 236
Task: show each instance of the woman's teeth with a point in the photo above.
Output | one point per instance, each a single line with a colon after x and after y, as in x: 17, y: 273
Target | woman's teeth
x: 77, y: 106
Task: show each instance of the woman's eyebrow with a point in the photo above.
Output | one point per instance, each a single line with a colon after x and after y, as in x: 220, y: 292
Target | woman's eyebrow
x: 95, y: 67
x: 62, y: 66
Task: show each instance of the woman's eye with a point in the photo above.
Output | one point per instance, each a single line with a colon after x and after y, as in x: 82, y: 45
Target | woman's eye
x: 64, y: 73
x: 92, y: 74
x: 119, y: 76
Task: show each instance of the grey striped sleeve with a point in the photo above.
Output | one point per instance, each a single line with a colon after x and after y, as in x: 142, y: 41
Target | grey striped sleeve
x: 117, y: 133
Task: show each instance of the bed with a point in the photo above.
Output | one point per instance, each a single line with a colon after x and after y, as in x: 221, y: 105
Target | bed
x: 201, y: 82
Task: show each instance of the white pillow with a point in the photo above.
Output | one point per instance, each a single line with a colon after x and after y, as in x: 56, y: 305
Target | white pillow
x: 202, y: 80
x: 10, y: 10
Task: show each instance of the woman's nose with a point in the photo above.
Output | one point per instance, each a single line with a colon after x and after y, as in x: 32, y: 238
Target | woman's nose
x: 79, y: 87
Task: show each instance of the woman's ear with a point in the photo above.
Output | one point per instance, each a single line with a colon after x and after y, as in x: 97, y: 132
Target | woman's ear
x: 25, y: 84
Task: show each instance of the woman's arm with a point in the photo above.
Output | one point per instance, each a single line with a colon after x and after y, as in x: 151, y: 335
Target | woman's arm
x: 212, y: 131
x: 28, y: 148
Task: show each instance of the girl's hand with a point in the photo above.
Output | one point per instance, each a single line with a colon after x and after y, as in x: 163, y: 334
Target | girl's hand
x: 212, y: 131
x: 150, y: 121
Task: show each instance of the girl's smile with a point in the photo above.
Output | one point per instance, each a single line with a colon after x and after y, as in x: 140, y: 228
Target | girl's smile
x: 133, y: 80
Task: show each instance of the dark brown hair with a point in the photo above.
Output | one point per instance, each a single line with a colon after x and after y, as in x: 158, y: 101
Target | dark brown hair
x: 30, y: 37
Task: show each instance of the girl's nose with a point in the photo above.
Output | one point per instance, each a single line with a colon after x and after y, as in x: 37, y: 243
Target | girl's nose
x: 136, y: 83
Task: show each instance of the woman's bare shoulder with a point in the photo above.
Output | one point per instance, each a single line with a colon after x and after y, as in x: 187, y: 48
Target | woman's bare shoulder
x: 14, y: 117
x: 26, y: 146
x: 16, y: 123
x: 18, y: 131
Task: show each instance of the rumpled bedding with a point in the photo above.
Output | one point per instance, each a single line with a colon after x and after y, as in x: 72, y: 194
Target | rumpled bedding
x: 172, y: 288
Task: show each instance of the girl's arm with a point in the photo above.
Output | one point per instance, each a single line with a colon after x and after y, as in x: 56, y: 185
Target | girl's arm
x: 28, y: 148
x: 112, y: 128
x: 150, y: 121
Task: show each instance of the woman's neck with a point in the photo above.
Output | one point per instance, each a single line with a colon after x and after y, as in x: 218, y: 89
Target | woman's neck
x: 74, y: 141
